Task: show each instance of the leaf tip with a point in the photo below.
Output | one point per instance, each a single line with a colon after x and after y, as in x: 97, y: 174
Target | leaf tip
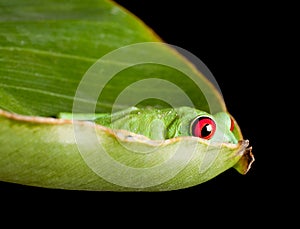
x: 245, y: 162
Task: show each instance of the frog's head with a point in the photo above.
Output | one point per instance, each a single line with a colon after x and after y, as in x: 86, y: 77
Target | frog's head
x: 216, y: 128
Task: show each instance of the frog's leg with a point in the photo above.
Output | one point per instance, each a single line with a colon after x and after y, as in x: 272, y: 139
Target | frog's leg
x: 80, y: 116
x: 96, y: 116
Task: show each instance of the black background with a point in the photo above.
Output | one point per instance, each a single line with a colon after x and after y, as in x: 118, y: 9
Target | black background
x: 232, y: 40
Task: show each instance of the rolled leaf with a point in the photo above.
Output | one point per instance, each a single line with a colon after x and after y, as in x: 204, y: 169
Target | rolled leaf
x: 47, y: 152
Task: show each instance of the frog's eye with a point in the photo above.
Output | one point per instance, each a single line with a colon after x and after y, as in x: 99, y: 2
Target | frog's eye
x: 203, y: 127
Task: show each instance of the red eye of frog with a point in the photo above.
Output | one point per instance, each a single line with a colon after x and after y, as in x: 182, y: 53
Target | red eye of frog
x: 203, y: 127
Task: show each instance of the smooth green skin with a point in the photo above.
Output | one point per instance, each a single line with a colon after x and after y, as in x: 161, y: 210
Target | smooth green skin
x: 159, y: 124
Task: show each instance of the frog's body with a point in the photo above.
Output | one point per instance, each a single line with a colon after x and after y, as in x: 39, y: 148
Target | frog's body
x: 161, y: 124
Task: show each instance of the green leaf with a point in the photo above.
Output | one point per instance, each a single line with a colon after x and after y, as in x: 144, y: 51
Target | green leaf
x: 46, y: 47
x: 46, y: 153
x: 49, y: 52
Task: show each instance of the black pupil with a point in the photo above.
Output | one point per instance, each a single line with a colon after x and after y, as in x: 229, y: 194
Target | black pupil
x: 206, y: 130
